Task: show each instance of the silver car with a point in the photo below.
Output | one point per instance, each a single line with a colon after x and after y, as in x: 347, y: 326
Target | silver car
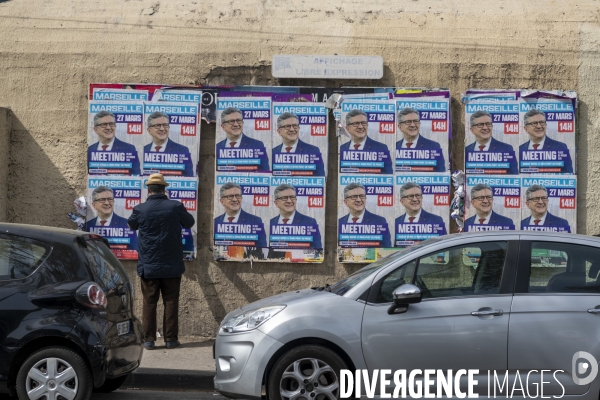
x: 509, y: 304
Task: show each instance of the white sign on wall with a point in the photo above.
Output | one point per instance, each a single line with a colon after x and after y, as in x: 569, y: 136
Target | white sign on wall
x: 332, y: 67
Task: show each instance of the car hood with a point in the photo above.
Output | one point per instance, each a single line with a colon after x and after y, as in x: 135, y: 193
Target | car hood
x: 279, y: 299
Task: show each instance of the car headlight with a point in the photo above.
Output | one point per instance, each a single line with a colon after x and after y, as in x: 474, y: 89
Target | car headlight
x: 250, y: 320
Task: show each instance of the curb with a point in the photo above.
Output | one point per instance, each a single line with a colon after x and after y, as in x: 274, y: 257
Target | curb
x: 181, y: 379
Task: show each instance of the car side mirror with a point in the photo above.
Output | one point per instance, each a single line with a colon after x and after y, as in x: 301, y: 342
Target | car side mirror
x: 404, y: 295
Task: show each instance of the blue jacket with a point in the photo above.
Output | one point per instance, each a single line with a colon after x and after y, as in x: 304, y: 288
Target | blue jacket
x: 552, y: 145
x: 304, y: 148
x: 550, y: 221
x: 425, y: 144
x: 497, y: 146
x: 374, y: 219
x: 159, y: 221
x: 120, y: 147
x: 426, y: 218
x: 176, y: 148
x: 247, y: 218
x: 249, y: 143
x: 495, y: 220
x: 373, y: 145
x: 301, y: 219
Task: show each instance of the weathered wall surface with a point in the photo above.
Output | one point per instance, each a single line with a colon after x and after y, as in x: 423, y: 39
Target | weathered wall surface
x: 51, y: 50
x: 5, y: 128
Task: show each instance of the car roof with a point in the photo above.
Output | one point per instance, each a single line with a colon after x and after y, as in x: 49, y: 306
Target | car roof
x: 557, y: 235
x: 42, y: 233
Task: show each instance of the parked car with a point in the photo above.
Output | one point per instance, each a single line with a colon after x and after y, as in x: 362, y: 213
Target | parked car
x: 66, y: 314
x: 506, y: 301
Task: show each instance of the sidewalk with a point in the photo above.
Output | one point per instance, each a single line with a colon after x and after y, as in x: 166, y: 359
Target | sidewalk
x: 187, y: 367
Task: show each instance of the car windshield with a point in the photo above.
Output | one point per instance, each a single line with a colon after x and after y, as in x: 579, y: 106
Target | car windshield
x: 343, y: 286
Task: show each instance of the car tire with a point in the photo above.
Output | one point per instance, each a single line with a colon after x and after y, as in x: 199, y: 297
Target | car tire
x: 309, y: 371
x: 55, y: 369
x: 110, y: 385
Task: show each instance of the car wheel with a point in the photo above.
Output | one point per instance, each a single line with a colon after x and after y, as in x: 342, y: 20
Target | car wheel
x: 56, y: 373
x: 110, y: 385
x: 307, y: 372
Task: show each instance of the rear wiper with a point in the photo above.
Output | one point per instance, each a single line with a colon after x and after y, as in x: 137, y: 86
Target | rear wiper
x: 326, y: 288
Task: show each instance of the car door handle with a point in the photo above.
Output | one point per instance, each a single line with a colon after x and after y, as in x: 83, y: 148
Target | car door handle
x: 487, y: 312
x: 594, y: 310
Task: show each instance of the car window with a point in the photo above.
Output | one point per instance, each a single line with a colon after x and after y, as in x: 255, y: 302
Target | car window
x: 399, y: 276
x: 20, y: 257
x: 473, y: 269
x: 563, y: 268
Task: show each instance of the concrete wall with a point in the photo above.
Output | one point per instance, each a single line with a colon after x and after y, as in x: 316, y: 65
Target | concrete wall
x: 5, y: 128
x: 51, y: 50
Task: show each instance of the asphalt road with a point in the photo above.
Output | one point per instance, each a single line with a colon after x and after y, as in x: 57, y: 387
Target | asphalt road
x: 131, y: 394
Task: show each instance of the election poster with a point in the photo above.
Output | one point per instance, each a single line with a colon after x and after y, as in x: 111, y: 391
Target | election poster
x: 423, y: 131
x: 491, y: 132
x: 243, y: 137
x: 365, y: 211
x: 111, y: 201
x: 242, y: 212
x: 171, y: 139
x: 300, y: 145
x: 549, y: 203
x: 422, y: 212
x: 297, y: 220
x: 371, y: 136
x: 548, y: 132
x: 114, y: 135
x: 493, y: 203
x: 184, y: 190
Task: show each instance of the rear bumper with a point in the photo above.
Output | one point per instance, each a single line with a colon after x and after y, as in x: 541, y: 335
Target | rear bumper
x: 110, y: 355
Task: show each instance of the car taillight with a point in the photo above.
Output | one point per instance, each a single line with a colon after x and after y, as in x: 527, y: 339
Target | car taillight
x: 91, y: 295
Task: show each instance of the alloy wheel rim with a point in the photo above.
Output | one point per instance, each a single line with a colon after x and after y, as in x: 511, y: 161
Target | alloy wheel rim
x: 309, y: 379
x: 52, y: 378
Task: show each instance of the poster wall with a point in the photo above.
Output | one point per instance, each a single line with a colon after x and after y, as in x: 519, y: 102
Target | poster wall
x: 491, y: 132
x: 549, y: 203
x: 492, y: 203
x: 371, y: 137
x: 172, y: 139
x: 111, y: 201
x: 422, y: 211
x: 300, y: 144
x: 547, y: 141
x: 243, y: 137
x: 424, y: 125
